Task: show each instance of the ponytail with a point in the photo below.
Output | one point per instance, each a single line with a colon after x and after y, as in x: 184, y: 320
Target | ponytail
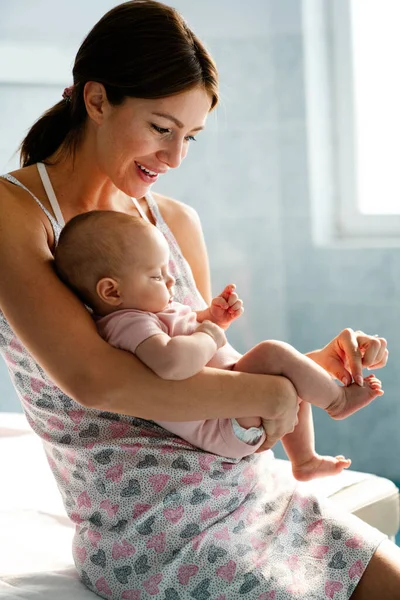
x: 60, y: 125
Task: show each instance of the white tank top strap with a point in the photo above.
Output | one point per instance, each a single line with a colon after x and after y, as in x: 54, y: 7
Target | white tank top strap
x: 55, y: 225
x: 139, y: 209
x: 50, y: 193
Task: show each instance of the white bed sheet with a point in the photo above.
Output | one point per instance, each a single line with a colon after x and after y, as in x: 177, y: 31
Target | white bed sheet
x: 35, y: 533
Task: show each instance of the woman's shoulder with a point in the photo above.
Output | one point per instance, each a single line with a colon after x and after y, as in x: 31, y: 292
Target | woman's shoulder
x: 17, y: 203
x: 175, y: 213
x: 24, y: 176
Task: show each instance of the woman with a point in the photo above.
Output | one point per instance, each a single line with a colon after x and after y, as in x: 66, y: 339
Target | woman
x: 154, y: 515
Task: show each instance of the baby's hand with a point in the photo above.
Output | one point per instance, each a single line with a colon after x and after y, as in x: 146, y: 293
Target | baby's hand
x: 213, y: 331
x: 226, y: 307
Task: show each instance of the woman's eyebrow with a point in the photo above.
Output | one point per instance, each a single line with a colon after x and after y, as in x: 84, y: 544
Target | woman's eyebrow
x: 175, y: 120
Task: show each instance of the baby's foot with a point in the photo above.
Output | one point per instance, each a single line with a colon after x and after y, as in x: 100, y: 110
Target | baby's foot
x: 353, y: 397
x: 320, y: 466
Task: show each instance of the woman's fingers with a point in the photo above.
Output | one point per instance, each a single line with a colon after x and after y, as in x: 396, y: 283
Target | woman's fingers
x: 373, y: 349
x: 348, y: 343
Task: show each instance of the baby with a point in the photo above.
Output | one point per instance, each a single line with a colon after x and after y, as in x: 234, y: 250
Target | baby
x: 118, y: 265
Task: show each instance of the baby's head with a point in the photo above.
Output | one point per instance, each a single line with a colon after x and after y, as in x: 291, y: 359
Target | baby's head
x: 114, y: 261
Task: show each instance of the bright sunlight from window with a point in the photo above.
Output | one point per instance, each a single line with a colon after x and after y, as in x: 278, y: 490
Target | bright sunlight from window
x: 376, y: 52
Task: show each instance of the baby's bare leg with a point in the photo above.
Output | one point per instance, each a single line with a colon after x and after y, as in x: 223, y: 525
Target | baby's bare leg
x: 312, y: 382
x: 300, y: 449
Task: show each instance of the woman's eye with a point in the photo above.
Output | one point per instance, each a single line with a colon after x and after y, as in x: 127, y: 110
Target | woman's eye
x: 160, y: 129
x: 157, y: 277
x: 190, y: 138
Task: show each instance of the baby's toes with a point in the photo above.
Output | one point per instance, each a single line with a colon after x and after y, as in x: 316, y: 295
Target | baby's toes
x: 374, y: 383
x: 343, y: 460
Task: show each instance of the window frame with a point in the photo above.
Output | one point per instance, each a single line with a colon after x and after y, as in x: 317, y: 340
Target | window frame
x: 328, y: 64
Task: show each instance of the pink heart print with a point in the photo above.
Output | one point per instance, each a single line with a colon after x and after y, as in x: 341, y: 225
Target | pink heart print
x: 220, y: 491
x: 317, y: 527
x: 223, y: 534
x: 293, y: 562
x: 119, y: 429
x: 159, y: 481
x: 258, y: 544
x: 55, y: 423
x: 15, y: 345
x: 91, y: 466
x: 222, y: 597
x: 102, y: 586
x: 196, y: 541
x: 71, y: 455
x: 227, y: 571
x: 227, y: 466
x: 131, y: 595
x: 64, y: 474
x: 157, y: 542
x: 111, y: 509
x: 244, y: 488
x: 81, y: 554
x: 131, y: 448
x: 37, y: 385
x: 205, y: 461
x: 207, y: 513
x: 238, y: 512
x: 331, y: 587
x: 249, y: 472
x: 76, y: 416
x: 151, y: 584
x: 123, y: 550
x: 84, y: 500
x: 51, y: 462
x: 9, y: 359
x: 319, y: 551
x: 282, y: 528
x: 115, y: 473
x: 76, y: 518
x: 194, y: 478
x: 173, y: 515
x: 252, y: 516
x: 356, y: 569
x: 355, y: 542
x: 167, y: 449
x: 185, y: 572
x: 139, y: 509
x: 267, y: 595
x: 94, y: 537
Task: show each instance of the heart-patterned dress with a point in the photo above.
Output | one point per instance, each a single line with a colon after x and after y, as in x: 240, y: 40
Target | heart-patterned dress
x: 158, y: 518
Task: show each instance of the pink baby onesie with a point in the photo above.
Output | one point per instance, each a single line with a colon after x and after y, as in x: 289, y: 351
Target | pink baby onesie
x: 127, y: 329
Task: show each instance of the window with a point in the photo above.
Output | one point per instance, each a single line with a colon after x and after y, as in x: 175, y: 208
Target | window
x: 353, y: 84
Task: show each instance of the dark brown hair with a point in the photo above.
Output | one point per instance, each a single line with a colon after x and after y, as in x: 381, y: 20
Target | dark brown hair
x: 141, y: 49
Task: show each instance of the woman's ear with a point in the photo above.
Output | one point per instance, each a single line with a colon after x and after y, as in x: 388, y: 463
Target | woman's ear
x: 108, y: 291
x: 96, y: 101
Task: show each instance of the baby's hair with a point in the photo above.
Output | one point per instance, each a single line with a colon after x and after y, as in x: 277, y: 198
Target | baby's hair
x: 94, y: 245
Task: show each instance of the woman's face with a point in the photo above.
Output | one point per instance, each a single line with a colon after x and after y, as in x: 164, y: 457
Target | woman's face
x: 142, y: 139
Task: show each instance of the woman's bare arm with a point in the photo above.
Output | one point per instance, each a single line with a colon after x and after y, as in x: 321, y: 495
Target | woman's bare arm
x: 56, y: 328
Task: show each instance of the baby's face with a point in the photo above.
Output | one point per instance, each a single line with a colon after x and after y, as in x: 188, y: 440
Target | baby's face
x: 147, y: 284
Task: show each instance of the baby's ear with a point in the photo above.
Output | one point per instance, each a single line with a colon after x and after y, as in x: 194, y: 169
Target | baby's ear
x: 108, y: 291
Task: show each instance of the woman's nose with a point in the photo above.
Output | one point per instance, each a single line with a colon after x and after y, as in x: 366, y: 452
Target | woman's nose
x: 173, y: 154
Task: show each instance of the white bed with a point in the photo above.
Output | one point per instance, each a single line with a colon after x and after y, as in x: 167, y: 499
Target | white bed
x: 35, y: 534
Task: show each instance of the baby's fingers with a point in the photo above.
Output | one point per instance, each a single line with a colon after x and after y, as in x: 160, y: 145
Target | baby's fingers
x: 237, y: 308
x: 228, y: 290
x: 220, y: 302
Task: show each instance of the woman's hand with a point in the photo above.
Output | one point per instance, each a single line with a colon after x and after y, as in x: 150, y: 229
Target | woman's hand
x: 349, y: 352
